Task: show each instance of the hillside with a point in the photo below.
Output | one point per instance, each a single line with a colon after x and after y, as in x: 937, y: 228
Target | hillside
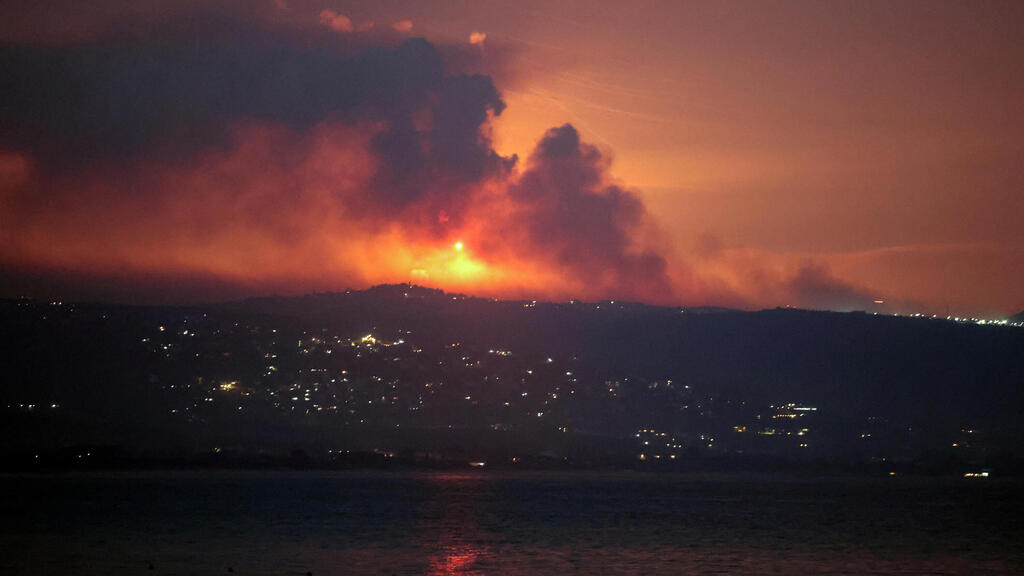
x: 425, y: 374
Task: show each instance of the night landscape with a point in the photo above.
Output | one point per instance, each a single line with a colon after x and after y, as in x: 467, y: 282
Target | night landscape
x: 471, y: 288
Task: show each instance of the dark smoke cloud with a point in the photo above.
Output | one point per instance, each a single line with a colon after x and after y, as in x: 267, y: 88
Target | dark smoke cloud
x: 568, y: 210
x: 450, y: 152
x: 216, y: 130
x: 813, y: 286
x: 183, y: 84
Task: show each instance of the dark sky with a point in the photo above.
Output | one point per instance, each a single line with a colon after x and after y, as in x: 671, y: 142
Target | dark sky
x: 818, y: 154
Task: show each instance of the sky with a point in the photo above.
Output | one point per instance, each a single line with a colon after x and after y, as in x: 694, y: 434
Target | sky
x: 833, y: 155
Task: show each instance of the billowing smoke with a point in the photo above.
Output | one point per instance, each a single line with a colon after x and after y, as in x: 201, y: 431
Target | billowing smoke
x: 175, y: 90
x: 209, y: 153
x: 287, y: 158
x: 566, y: 208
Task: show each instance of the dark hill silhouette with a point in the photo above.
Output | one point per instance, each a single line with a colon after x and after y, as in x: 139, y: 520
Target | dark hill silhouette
x: 397, y: 365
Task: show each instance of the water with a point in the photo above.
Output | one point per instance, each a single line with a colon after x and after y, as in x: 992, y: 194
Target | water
x: 505, y: 524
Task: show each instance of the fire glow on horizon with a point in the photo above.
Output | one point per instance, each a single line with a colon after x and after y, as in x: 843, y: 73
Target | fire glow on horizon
x: 174, y: 164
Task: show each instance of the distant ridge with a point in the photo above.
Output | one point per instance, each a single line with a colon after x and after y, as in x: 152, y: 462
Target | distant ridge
x: 1017, y: 318
x: 407, y: 294
x: 407, y: 370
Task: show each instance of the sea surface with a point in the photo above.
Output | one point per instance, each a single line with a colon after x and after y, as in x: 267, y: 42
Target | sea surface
x: 502, y: 523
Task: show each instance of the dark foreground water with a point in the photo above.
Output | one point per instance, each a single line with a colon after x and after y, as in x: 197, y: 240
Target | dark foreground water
x: 505, y: 524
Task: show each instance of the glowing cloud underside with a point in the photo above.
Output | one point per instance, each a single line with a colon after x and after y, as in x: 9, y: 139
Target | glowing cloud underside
x: 370, y: 164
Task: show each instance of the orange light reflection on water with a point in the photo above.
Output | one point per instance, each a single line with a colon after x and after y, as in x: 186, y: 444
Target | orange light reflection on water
x: 457, y: 560
x: 457, y: 550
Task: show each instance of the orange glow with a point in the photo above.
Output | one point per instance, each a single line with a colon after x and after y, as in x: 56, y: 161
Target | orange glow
x: 780, y: 154
x: 455, y: 561
x: 221, y: 221
x: 218, y: 223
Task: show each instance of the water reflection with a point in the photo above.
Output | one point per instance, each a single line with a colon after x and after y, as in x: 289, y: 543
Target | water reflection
x: 456, y: 561
x: 504, y: 525
x: 453, y: 515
